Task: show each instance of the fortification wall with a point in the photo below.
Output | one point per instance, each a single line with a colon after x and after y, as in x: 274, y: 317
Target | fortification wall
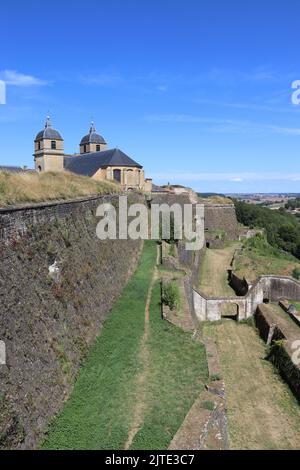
x: 47, y: 324
x: 240, y: 286
x: 266, y: 287
x: 280, y: 354
x: 222, y: 217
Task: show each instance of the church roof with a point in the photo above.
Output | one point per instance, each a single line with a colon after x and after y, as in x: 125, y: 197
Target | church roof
x: 15, y: 169
x: 48, y: 132
x: 92, y: 137
x: 89, y: 163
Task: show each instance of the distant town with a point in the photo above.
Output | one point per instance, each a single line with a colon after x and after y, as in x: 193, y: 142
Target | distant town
x: 271, y: 200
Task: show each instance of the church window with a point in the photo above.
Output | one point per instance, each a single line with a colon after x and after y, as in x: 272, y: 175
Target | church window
x: 53, y: 144
x: 117, y: 175
x: 97, y: 148
x: 84, y: 149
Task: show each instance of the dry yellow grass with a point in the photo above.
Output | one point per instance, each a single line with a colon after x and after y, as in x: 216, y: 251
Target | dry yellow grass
x: 214, y: 271
x: 215, y: 200
x: 262, y: 412
x: 18, y: 188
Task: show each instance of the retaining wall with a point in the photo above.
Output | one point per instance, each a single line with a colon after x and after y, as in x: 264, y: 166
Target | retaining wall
x: 266, y: 287
x: 47, y: 324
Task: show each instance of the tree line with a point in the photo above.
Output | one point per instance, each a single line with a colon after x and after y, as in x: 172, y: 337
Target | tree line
x: 293, y: 203
x: 282, y: 229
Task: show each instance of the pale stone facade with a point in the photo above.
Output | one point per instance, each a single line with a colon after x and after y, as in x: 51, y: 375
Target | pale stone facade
x: 94, y: 160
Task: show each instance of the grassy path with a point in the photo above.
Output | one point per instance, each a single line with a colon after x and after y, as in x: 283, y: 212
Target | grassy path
x: 262, y: 412
x: 138, y: 412
x: 139, y: 380
x: 213, y: 276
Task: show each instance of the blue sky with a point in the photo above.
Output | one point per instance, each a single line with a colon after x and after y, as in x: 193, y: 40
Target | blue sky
x: 199, y: 92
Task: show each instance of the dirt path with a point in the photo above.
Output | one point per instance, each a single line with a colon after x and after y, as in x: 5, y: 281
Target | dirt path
x: 213, y: 277
x: 140, y: 403
x: 262, y: 413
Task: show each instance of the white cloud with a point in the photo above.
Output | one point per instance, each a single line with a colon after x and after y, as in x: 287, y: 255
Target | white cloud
x: 11, y: 77
x: 162, y: 88
x: 231, y: 126
x: 102, y: 80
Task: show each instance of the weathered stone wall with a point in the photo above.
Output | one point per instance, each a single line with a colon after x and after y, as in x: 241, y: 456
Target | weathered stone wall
x: 222, y: 217
x: 48, y: 325
x: 240, y: 286
x: 266, y: 287
x: 170, y: 198
x: 280, y: 354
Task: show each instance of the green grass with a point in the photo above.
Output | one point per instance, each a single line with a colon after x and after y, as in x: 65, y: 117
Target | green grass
x: 171, y: 295
x: 259, y: 258
x: 175, y: 379
x: 208, y: 405
x: 297, y: 305
x: 99, y: 413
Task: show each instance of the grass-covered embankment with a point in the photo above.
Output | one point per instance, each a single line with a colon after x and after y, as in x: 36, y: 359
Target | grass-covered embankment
x: 214, y: 271
x: 175, y: 379
x: 100, y: 412
x: 258, y: 257
x: 20, y: 188
x: 262, y: 412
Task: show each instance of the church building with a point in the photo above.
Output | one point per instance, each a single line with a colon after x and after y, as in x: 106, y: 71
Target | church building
x: 94, y: 159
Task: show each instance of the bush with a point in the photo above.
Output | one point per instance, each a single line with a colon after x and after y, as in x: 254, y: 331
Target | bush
x: 208, y: 405
x: 215, y: 377
x: 171, y: 295
x: 282, y: 229
x: 296, y: 273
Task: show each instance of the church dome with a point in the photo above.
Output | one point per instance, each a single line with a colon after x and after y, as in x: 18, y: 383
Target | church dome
x: 92, y: 137
x: 48, y: 132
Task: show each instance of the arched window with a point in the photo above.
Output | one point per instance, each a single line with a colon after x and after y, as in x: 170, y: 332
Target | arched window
x: 53, y: 144
x: 97, y: 148
x: 39, y: 168
x: 117, y: 175
x: 130, y: 178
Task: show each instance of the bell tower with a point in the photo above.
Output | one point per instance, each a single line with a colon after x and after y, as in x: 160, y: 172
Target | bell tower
x: 49, y: 149
x: 92, y: 142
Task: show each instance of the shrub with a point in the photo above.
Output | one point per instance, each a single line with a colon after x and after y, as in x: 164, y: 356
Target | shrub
x: 171, y: 295
x: 296, y: 273
x: 215, y: 377
x: 208, y: 405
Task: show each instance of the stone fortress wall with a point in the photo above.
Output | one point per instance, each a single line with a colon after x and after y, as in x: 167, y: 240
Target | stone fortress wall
x: 49, y: 323
x: 221, y: 217
x: 270, y: 288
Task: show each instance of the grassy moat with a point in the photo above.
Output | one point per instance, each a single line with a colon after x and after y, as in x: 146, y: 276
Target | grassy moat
x: 139, y: 380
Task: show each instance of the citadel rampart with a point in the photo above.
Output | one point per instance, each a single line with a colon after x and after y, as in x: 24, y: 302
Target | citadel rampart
x: 271, y: 288
x: 281, y: 350
x: 48, y: 324
x: 221, y: 217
